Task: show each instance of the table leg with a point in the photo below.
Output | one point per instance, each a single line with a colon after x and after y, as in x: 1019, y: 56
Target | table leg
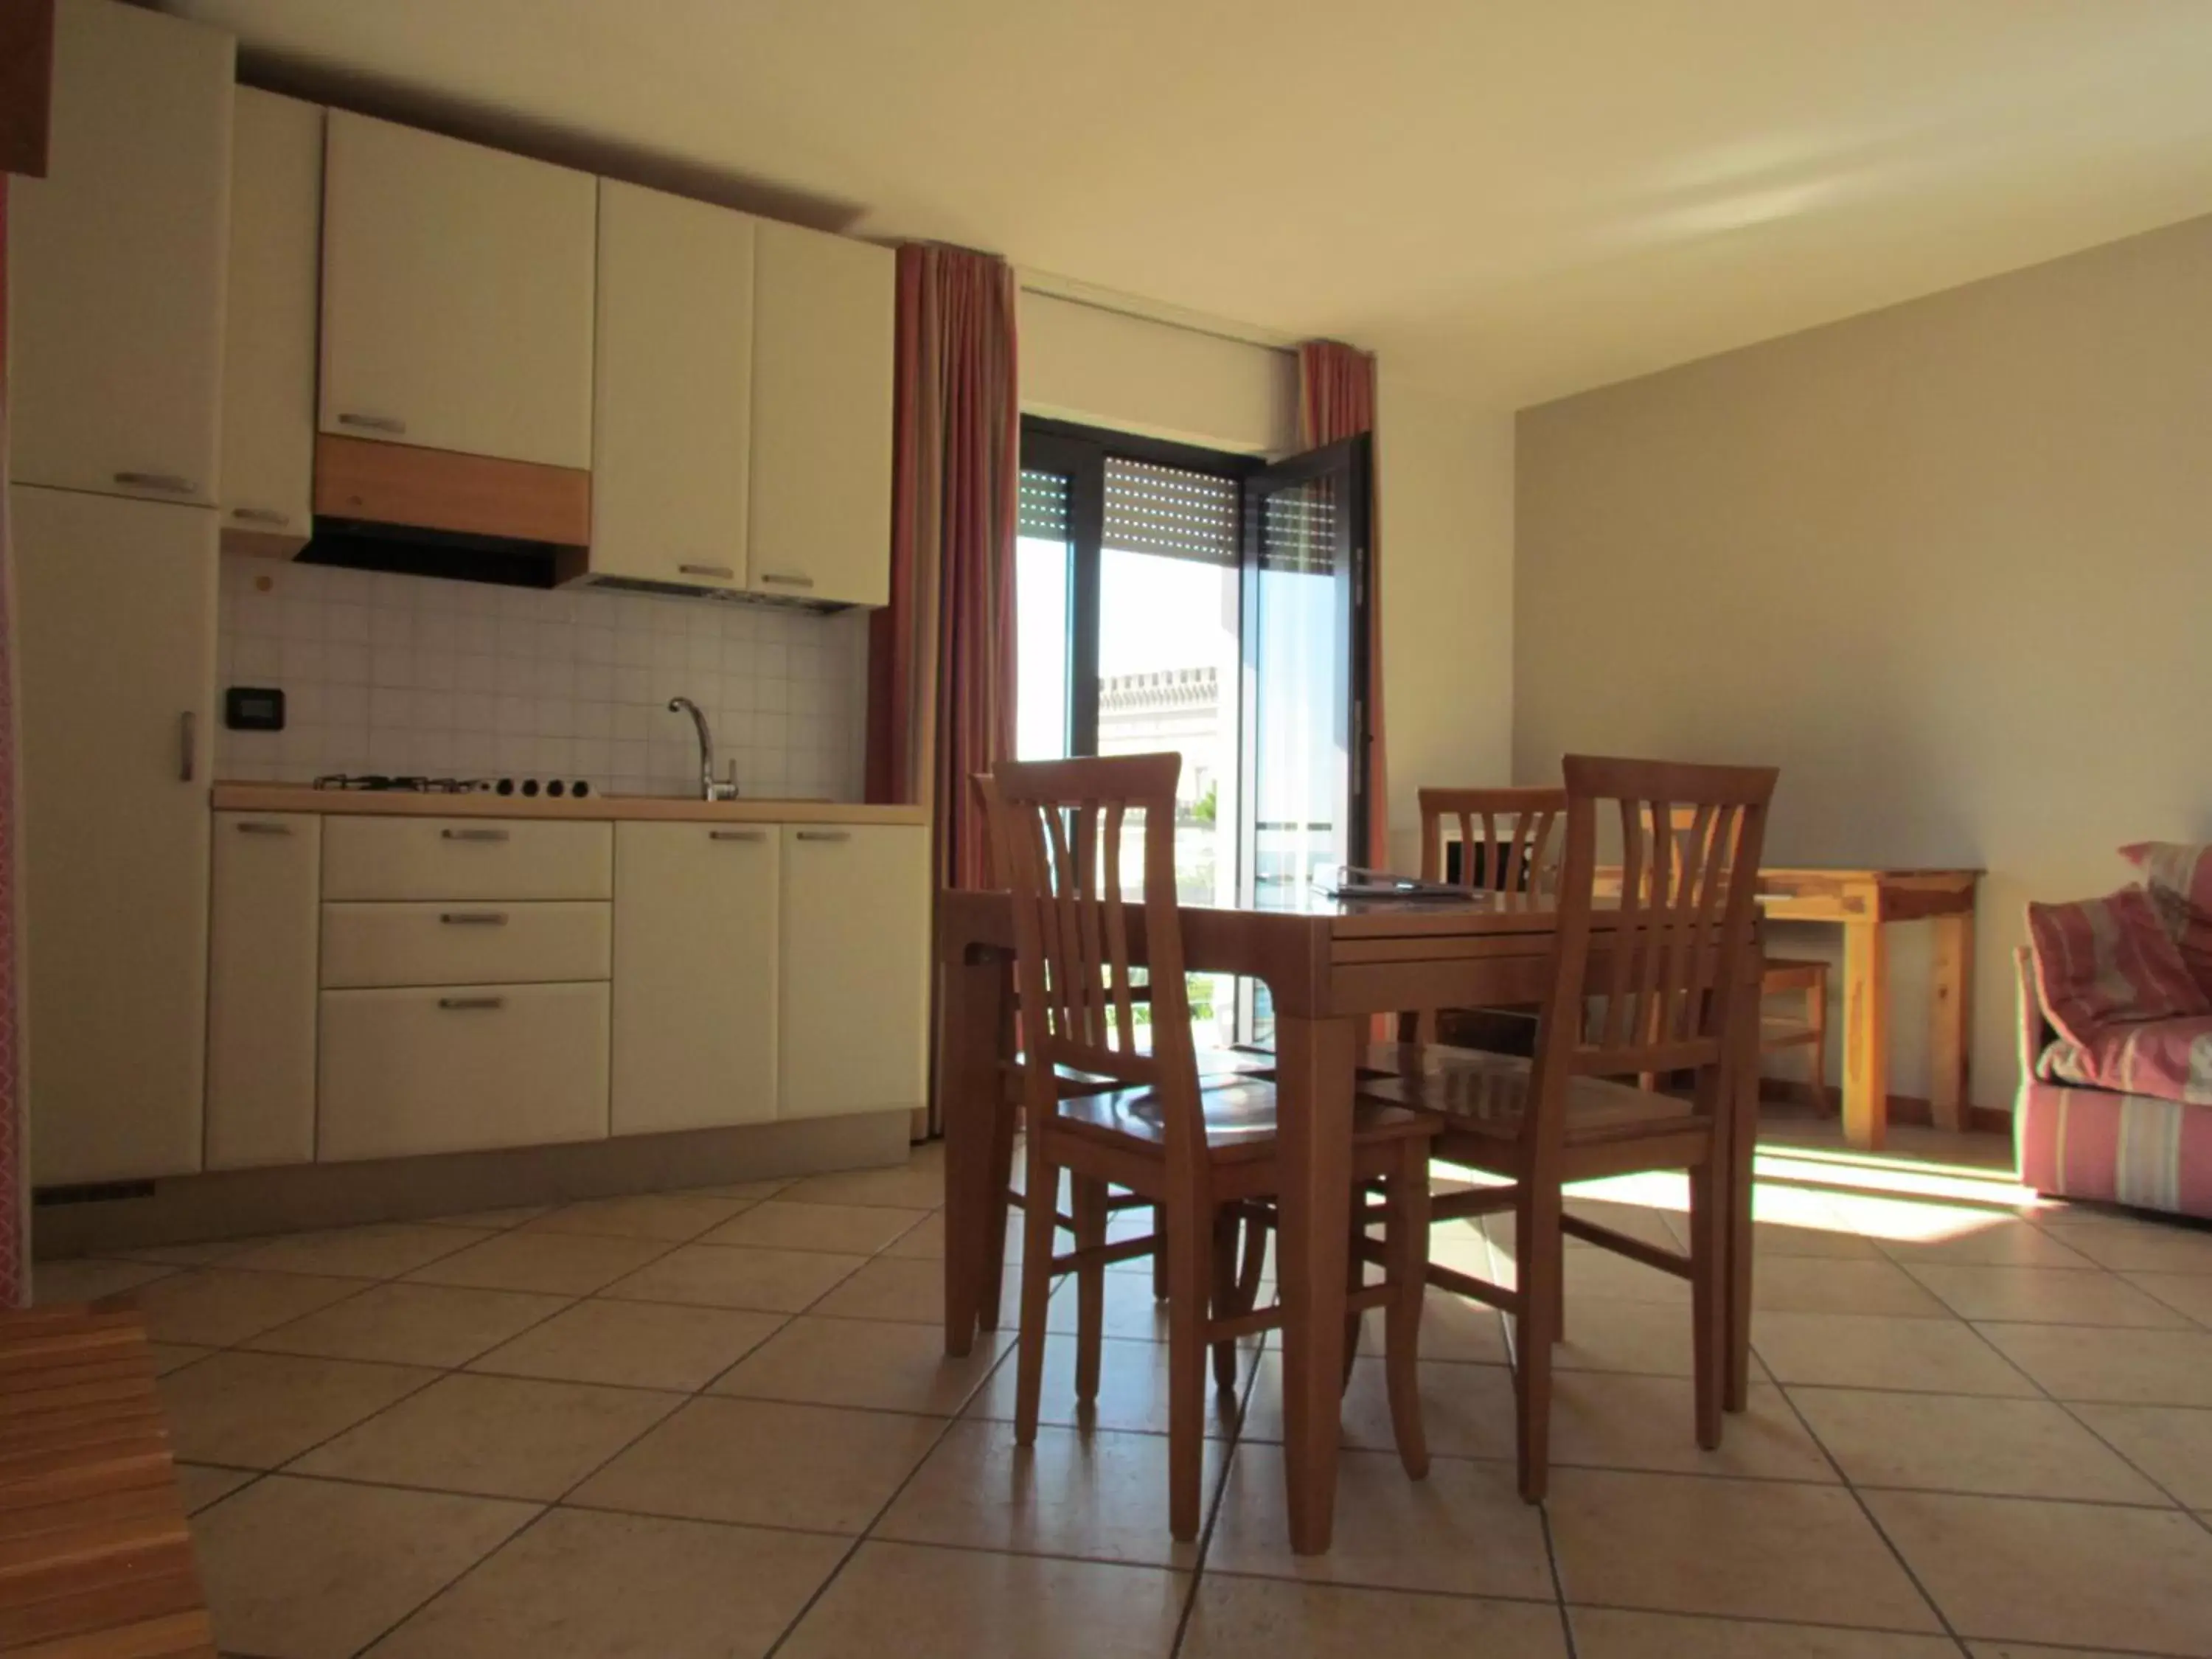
x: 1866, y: 1033
x: 968, y: 1091
x: 1742, y: 1151
x: 1951, y: 1013
x: 1314, y: 1087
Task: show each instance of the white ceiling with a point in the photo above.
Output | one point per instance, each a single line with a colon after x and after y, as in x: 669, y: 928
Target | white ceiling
x: 1523, y: 197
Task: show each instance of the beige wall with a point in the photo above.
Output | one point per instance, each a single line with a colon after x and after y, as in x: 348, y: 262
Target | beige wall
x: 1947, y: 564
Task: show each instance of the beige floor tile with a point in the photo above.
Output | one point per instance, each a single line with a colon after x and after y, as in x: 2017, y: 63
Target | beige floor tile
x: 2004, y: 1242
x: 176, y: 1356
x: 731, y: 1276
x: 920, y: 1603
x: 752, y: 1191
x: 499, y: 1220
x: 925, y: 1241
x: 1868, y: 1351
x: 1466, y: 1411
x: 1610, y: 1633
x: 1130, y: 1312
x: 2128, y: 1367
x: 766, y: 1463
x: 2171, y: 1444
x: 1608, y: 1421
x: 215, y: 1308
x: 639, y: 1345
x: 1097, y: 1495
x: 258, y: 1410
x: 1273, y: 1618
x: 1609, y: 1334
x: 1133, y: 1387
x: 1464, y: 1530
x: 2148, y: 1247
x: 440, y: 1325
x: 585, y: 1585
x: 672, y: 1217
x: 2077, y: 1574
x: 1744, y: 1549
x: 918, y: 1184
x: 2044, y: 1296
x: 1595, y: 1274
x: 2188, y: 1294
x: 317, y: 1569
x: 498, y: 1436
x: 1452, y: 1328
x: 201, y: 1484
x: 551, y: 1264
x: 2025, y: 1650
x: 379, y: 1251
x: 914, y: 1291
x: 1798, y: 1284
x: 854, y: 1229
x: 871, y: 1363
x: 1957, y: 1443
x: 1830, y: 1242
x: 87, y: 1278
x: 197, y: 1254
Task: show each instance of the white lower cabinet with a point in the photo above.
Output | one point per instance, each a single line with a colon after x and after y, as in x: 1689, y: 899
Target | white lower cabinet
x: 460, y: 1068
x: 261, y: 989
x: 695, y: 975
x: 853, y: 1031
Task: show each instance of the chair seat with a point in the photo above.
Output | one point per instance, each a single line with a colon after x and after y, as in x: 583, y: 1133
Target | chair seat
x: 1211, y: 1063
x: 1476, y: 1092
x: 1240, y: 1118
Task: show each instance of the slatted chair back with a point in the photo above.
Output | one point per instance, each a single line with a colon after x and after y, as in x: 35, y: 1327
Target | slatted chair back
x: 1507, y: 838
x: 1060, y: 831
x: 1675, y: 950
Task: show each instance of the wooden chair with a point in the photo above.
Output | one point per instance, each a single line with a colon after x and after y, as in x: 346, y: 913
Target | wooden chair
x: 1198, y: 1150
x: 1665, y: 983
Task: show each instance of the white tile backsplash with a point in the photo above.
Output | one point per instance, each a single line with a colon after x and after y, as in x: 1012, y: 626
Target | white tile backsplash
x: 409, y: 674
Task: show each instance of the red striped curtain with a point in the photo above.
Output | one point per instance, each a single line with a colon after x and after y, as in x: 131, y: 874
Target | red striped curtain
x: 941, y: 656
x: 1336, y: 400
x: 15, y: 1174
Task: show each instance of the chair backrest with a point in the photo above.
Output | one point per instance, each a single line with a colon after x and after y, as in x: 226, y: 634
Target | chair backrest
x: 1507, y: 838
x: 1059, y: 830
x: 1671, y: 958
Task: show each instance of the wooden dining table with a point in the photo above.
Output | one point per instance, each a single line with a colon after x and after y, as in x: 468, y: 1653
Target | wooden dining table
x: 1329, y: 966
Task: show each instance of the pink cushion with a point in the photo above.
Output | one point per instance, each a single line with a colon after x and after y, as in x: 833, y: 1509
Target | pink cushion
x: 2106, y: 962
x: 2179, y: 876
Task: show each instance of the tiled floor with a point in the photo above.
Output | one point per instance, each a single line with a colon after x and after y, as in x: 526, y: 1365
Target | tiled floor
x: 720, y: 1423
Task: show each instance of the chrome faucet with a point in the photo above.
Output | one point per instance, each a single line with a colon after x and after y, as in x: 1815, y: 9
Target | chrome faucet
x: 710, y: 786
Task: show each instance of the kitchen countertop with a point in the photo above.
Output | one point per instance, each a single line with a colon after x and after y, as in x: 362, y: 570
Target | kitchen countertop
x: 301, y: 798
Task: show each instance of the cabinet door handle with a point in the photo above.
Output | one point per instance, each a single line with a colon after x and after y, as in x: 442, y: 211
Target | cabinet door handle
x: 188, y: 732
x: 263, y: 827
x: 825, y: 834
x: 474, y: 918
x: 736, y: 835
x: 260, y: 515
x: 169, y: 484
x: 782, y: 579
x: 375, y: 423
x: 721, y: 571
x: 459, y: 1005
x: 473, y: 835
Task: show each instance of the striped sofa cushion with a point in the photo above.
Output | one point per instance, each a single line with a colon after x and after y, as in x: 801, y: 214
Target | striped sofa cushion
x: 2114, y: 1148
x: 2106, y: 962
x: 2179, y: 877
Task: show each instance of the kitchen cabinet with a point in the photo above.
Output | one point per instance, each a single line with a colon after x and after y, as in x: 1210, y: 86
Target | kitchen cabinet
x: 269, y: 342
x: 457, y: 295
x: 695, y: 975
x: 466, y: 859
x: 820, y: 514
x: 261, y: 989
x: 115, y: 631
x: 852, y: 1022
x: 672, y: 389
x: 463, y: 944
x: 115, y: 260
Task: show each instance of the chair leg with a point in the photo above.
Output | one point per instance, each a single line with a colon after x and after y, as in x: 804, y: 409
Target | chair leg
x: 1406, y: 1249
x: 1257, y: 1227
x: 1355, y: 1279
x: 1225, y: 1223
x: 1160, y: 1253
x: 1709, y: 1291
x: 1816, y: 1014
x: 1188, y: 1235
x: 1089, y: 1202
x: 1040, y: 1222
x: 1539, y: 1250
x: 993, y: 1280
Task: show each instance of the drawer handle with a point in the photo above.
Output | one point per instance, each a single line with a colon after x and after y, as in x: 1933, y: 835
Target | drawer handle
x: 825, y: 834
x: 375, y: 423
x: 263, y: 827
x: 260, y: 515
x: 463, y: 1005
x: 473, y: 835
x: 473, y: 918
x: 736, y: 835
x: 783, y: 580
x: 721, y: 571
x: 169, y: 484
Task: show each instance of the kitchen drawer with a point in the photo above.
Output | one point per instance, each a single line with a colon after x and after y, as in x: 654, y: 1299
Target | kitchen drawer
x: 479, y: 943
x: 466, y: 859
x: 460, y: 1069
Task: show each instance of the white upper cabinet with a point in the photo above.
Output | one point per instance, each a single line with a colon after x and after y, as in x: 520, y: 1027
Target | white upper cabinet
x: 671, y: 392
x: 457, y: 295
x: 823, y: 313
x: 115, y: 260
x: 269, y: 346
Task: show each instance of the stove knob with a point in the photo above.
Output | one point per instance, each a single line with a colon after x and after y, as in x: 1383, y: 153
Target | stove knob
x: 557, y: 789
x: 505, y: 786
x: 530, y: 786
x: 580, y: 789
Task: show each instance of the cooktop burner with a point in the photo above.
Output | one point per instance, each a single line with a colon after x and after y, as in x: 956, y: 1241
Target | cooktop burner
x: 380, y: 781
